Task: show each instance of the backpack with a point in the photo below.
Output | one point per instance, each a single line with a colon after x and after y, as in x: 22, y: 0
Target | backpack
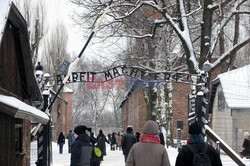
x: 97, y: 151
x: 200, y: 158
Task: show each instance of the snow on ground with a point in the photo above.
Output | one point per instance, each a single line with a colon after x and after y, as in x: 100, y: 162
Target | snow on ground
x: 115, y: 158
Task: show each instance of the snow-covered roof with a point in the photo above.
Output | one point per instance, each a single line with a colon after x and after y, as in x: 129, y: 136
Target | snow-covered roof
x: 4, y: 11
x: 23, y: 110
x: 236, y: 87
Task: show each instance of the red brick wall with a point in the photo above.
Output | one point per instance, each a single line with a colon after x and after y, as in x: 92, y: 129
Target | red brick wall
x: 180, y: 107
x: 68, y: 113
x: 134, y: 111
x: 62, y: 115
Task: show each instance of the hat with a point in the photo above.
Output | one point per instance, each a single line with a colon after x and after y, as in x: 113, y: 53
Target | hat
x: 246, y: 134
x: 195, y: 129
x: 80, y: 130
x: 150, y: 127
x: 129, y: 129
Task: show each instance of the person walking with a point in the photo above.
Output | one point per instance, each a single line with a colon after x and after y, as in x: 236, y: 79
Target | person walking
x: 138, y: 134
x: 101, y: 140
x: 82, y: 150
x: 113, y: 141
x: 246, y: 145
x: 118, y: 141
x: 110, y: 139
x: 95, y: 161
x: 196, y: 144
x: 148, y: 151
x: 69, y: 137
x: 128, y: 140
x: 61, y: 142
x: 161, y: 136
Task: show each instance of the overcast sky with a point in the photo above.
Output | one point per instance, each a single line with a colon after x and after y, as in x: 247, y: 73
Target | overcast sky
x: 62, y: 10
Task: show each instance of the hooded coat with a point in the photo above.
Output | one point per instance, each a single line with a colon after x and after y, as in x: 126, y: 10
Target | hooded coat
x: 81, y: 151
x: 128, y: 140
x: 148, y: 153
x: 101, y: 139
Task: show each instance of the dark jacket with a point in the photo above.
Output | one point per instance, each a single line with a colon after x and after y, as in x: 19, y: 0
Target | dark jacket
x: 92, y: 139
x: 61, y: 139
x: 162, y: 141
x: 246, y: 146
x: 113, y: 139
x: 185, y: 156
x: 69, y: 137
x: 128, y: 140
x: 81, y: 151
x: 101, y: 139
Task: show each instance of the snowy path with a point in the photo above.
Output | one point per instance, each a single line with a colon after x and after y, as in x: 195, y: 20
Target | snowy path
x: 115, y: 158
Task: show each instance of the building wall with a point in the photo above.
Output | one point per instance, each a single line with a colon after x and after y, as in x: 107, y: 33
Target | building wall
x: 241, y: 124
x: 134, y: 108
x: 26, y: 142
x: 62, y: 115
x: 11, y: 82
x: 222, y: 120
x: 134, y: 111
x: 180, y: 108
x: 67, y: 96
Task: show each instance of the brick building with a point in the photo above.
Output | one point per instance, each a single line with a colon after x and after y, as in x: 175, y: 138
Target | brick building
x: 61, y: 113
x: 19, y: 93
x: 134, y: 111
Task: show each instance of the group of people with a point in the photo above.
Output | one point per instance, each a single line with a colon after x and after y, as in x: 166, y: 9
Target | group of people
x: 141, y: 149
x: 115, y: 141
x: 150, y: 151
x: 61, y: 141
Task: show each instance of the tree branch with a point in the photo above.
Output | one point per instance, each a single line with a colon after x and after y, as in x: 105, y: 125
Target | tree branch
x: 229, y: 53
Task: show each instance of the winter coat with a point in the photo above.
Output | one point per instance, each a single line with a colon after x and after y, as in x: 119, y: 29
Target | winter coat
x: 160, y: 134
x: 185, y: 156
x: 101, y: 139
x: 69, y: 137
x: 246, y: 146
x: 118, y: 140
x: 81, y: 151
x: 113, y: 139
x: 61, y: 139
x: 147, y: 154
x: 128, y: 140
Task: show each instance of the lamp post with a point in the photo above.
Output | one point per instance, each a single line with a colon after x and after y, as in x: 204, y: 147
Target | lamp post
x: 44, y: 133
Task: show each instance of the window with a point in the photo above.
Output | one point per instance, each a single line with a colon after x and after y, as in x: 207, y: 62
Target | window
x: 18, y: 138
x: 221, y: 101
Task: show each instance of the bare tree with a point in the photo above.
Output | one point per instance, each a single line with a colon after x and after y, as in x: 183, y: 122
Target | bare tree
x: 55, y: 48
x: 90, y: 103
x: 116, y: 96
x: 184, y: 18
x: 199, y: 30
x: 34, y: 13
